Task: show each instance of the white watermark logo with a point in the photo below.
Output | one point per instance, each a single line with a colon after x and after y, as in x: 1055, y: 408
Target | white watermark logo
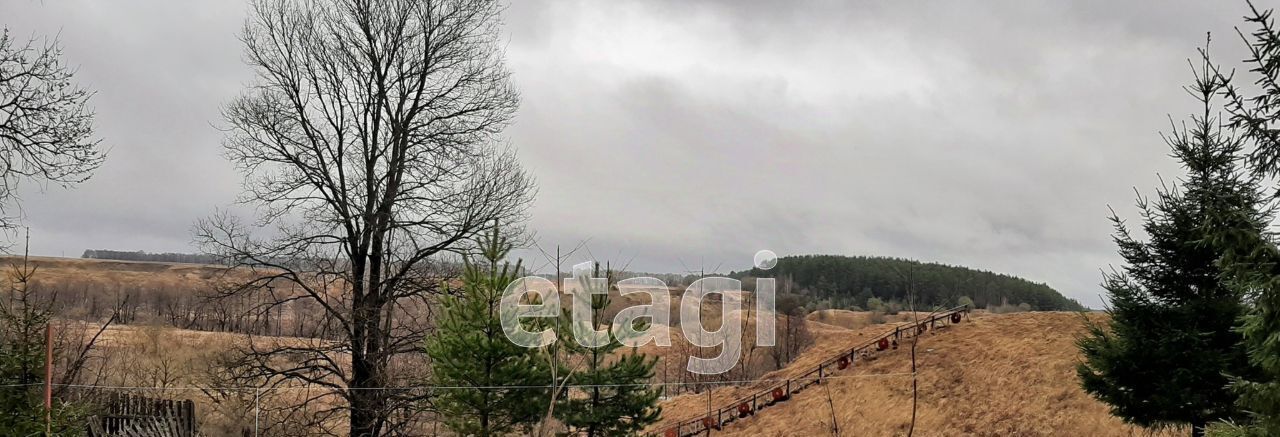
x: 530, y: 305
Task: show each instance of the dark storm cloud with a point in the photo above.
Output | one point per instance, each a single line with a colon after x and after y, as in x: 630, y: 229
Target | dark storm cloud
x: 679, y: 134
x: 977, y: 133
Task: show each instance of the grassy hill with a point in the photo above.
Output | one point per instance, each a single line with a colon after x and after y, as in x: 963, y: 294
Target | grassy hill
x: 849, y: 281
x: 998, y: 375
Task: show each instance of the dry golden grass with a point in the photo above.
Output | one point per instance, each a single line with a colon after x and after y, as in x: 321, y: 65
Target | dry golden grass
x: 1000, y: 375
x: 841, y: 318
x: 856, y: 319
x: 143, y: 274
x: 828, y: 341
x: 164, y: 362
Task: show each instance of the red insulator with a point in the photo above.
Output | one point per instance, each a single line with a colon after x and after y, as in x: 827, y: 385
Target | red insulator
x: 843, y: 363
x: 883, y: 344
x: 671, y: 432
x: 779, y: 395
x: 708, y: 422
x: 744, y: 409
x: 955, y: 317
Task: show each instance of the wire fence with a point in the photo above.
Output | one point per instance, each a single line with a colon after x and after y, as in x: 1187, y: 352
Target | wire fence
x: 134, y: 407
x: 716, y: 419
x: 442, y: 387
x: 126, y: 404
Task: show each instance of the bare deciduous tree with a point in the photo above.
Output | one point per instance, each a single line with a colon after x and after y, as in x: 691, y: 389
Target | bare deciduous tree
x: 46, y: 128
x: 794, y: 336
x: 367, y: 146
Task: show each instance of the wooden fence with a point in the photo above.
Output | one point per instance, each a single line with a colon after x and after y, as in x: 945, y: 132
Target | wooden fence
x: 749, y: 405
x: 126, y: 412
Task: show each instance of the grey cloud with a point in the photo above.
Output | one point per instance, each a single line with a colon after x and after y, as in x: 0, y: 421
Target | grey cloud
x: 685, y: 133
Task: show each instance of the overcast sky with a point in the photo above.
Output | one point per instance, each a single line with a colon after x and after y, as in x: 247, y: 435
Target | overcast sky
x: 679, y: 134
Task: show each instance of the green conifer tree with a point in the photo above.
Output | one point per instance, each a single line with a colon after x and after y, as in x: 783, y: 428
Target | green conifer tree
x: 610, y: 392
x: 1251, y: 256
x: 23, y: 320
x: 1163, y: 360
x: 485, y: 384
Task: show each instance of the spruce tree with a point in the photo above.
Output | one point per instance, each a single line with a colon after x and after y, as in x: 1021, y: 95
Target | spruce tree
x: 485, y: 384
x: 1251, y: 256
x: 610, y: 392
x: 1163, y: 360
x: 23, y: 320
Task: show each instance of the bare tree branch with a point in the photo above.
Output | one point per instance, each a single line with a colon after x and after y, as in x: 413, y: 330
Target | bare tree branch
x: 46, y: 127
x: 368, y: 147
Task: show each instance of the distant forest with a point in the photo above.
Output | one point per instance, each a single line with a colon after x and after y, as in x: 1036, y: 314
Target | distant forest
x: 850, y: 281
x: 831, y: 281
x: 120, y: 255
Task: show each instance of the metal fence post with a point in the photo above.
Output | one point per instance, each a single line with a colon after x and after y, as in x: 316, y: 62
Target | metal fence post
x: 256, y: 394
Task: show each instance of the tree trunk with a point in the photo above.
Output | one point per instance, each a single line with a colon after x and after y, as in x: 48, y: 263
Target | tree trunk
x: 368, y: 403
x: 363, y: 400
x: 1197, y: 428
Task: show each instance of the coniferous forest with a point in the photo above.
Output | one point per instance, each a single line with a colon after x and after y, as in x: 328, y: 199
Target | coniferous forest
x: 850, y: 281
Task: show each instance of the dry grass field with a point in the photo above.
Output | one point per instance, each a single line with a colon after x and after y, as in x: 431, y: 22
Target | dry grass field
x: 995, y: 375
x: 134, y: 273
x: 856, y: 319
x: 1000, y: 375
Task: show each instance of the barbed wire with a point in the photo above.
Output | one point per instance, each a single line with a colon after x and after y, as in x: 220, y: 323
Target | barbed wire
x: 457, y: 387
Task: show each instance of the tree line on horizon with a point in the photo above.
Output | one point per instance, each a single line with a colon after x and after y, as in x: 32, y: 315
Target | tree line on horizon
x: 138, y: 255
x: 849, y: 282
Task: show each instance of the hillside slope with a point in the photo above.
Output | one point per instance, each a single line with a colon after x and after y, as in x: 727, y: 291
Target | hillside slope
x: 998, y: 375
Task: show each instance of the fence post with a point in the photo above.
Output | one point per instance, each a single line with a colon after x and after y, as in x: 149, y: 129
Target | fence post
x: 256, y: 393
x: 189, y: 416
